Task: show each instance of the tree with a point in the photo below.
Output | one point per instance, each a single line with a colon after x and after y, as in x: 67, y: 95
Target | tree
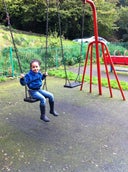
x: 123, y: 2
x: 107, y: 17
x: 30, y: 15
x: 123, y: 24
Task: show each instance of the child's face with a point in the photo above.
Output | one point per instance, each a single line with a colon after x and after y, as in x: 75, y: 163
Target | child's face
x: 35, y: 67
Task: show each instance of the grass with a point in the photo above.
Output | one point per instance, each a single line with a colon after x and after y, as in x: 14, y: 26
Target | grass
x: 28, y: 39
x: 3, y: 78
x: 72, y: 76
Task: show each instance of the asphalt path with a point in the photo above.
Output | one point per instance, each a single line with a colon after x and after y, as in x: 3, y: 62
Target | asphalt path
x: 122, y: 72
x: 89, y: 135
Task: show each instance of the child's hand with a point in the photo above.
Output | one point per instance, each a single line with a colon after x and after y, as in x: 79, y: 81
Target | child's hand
x: 22, y: 75
x: 46, y: 74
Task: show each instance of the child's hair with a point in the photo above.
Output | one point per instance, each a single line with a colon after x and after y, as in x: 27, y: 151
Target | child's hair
x: 35, y: 60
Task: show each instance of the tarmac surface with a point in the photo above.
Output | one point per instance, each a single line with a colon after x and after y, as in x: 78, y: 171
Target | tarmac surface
x: 122, y: 72
x: 89, y: 135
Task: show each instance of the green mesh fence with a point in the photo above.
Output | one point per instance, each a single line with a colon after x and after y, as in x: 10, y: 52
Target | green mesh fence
x: 53, y: 58
x: 117, y: 48
x: 71, y: 55
x: 6, y: 62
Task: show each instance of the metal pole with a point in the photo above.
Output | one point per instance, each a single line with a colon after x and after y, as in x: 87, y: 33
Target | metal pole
x: 11, y: 60
x: 10, y: 29
x: 96, y: 41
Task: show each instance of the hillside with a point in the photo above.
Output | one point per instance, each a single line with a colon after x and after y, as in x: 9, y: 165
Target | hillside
x: 29, y: 46
x: 27, y: 39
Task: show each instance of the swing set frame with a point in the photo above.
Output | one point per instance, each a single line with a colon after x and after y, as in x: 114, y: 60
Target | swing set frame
x: 105, y: 53
x: 28, y: 97
x: 95, y: 43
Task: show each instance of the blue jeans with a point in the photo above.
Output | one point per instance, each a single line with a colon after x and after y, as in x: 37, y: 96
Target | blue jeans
x: 42, y: 95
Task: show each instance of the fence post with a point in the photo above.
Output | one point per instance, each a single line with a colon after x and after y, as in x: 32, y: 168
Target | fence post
x: 11, y: 61
x: 56, y: 57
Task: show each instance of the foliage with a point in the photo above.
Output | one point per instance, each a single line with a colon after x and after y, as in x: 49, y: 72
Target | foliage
x: 107, y: 16
x: 117, y: 48
x: 123, y: 24
x: 34, y: 46
x: 123, y: 2
x: 31, y: 15
x: 3, y: 78
x: 31, y: 46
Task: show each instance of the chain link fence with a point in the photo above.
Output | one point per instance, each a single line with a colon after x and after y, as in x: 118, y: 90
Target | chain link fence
x: 53, y: 57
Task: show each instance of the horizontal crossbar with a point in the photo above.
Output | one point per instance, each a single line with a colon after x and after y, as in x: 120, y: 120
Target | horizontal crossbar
x: 120, y: 60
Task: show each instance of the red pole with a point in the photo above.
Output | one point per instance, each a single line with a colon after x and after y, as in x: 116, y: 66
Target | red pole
x: 98, y: 56
x: 96, y: 41
x: 104, y: 51
x: 91, y: 49
x: 111, y: 62
x: 85, y: 65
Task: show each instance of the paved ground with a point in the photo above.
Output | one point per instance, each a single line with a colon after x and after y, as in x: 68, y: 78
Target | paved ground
x: 121, y: 71
x: 90, y: 135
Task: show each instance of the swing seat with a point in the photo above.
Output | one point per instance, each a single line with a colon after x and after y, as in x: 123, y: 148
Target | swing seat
x: 73, y: 84
x: 30, y: 100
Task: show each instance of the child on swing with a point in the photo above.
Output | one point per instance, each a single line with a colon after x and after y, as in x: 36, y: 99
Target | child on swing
x: 33, y: 79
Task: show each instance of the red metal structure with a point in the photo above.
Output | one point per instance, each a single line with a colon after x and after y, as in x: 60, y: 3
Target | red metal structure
x: 105, y: 54
x: 119, y: 60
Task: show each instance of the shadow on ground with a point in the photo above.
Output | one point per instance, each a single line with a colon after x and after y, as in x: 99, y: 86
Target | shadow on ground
x: 89, y: 135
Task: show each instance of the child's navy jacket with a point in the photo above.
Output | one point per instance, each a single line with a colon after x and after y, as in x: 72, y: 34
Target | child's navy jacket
x: 33, y: 80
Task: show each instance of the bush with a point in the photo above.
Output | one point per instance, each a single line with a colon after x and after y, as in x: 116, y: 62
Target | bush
x: 3, y: 78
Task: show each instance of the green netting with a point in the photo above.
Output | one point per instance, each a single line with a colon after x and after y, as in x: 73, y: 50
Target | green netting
x: 118, y: 48
x: 72, y: 55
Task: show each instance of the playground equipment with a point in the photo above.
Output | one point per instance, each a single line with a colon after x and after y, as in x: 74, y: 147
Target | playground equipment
x: 118, y: 60
x: 95, y: 44
x: 77, y: 82
x: 28, y: 97
x: 105, y: 54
